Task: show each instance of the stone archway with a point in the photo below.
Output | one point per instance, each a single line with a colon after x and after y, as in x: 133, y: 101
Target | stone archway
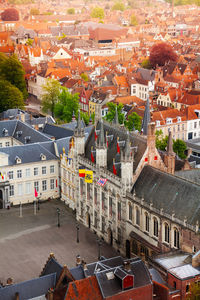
x: 1, y: 199
x: 110, y: 236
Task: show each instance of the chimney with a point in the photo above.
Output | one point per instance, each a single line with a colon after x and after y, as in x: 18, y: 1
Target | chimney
x: 50, y: 294
x: 78, y: 260
x: 23, y: 117
x: 17, y: 296
x: 127, y: 266
x: 9, y: 281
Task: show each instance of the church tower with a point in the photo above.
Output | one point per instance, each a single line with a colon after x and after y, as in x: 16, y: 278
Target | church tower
x: 101, y: 149
x: 79, y: 137
x: 127, y: 165
x: 169, y: 158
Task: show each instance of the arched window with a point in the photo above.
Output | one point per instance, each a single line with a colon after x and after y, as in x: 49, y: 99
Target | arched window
x: 166, y: 228
x: 147, y: 222
x: 155, y: 227
x: 137, y: 216
x: 176, y: 238
x: 130, y: 212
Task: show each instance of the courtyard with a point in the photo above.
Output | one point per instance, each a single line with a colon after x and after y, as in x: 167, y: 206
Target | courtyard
x: 27, y: 239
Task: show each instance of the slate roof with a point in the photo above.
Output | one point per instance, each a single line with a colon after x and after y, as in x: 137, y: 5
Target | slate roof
x: 52, y: 267
x: 27, y: 153
x: 20, y: 131
x: 136, y: 141
x: 170, y: 193
x: 29, y: 289
x: 57, y: 131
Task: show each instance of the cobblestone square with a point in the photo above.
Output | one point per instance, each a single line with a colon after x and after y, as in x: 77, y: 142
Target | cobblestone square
x: 27, y: 241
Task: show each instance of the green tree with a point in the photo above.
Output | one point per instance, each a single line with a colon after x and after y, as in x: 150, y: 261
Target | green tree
x: 50, y: 96
x: 179, y: 148
x: 133, y: 20
x: 66, y: 105
x: 71, y: 11
x: 10, y: 96
x: 112, y: 110
x: 134, y: 119
x: 12, y: 70
x: 97, y: 12
x: 161, y: 142
x: 34, y: 11
x: 85, y: 117
x: 29, y: 42
x: 194, y: 292
x: 146, y: 64
x: 84, y: 76
x: 119, y: 5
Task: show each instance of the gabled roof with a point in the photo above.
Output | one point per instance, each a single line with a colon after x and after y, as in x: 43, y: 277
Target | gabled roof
x: 57, y: 131
x: 173, y: 194
x: 29, y: 289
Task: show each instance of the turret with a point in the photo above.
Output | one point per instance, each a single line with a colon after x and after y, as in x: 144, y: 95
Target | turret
x: 169, y: 158
x: 79, y: 137
x: 127, y: 165
x: 101, y: 149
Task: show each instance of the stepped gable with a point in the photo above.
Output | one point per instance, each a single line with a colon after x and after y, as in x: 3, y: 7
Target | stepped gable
x: 52, y: 266
x: 173, y: 194
x: 117, y: 132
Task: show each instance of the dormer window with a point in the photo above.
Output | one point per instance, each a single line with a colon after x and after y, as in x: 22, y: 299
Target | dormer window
x: 42, y: 156
x: 157, y: 123
x: 18, y: 160
x: 178, y: 119
x: 5, y: 132
x: 168, y: 121
x: 18, y: 134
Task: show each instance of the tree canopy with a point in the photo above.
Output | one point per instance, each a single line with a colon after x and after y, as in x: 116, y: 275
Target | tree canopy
x: 66, y: 105
x: 34, y: 11
x: 97, y: 12
x: 161, y: 53
x: 133, y: 20
x: 84, y: 76
x: 179, y: 148
x: 146, y: 64
x: 161, y: 142
x: 10, y: 96
x: 112, y: 110
x: 50, y: 97
x: 134, y: 119
x: 119, y: 5
x: 12, y: 70
x: 10, y: 14
x: 71, y: 11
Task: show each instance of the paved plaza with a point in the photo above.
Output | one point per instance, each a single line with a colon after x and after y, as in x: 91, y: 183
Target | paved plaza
x: 27, y: 241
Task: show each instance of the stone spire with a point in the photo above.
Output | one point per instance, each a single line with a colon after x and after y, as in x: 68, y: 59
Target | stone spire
x: 170, y: 144
x: 127, y: 149
x: 116, y: 120
x: 147, y: 118
x: 78, y: 129
x: 101, y: 142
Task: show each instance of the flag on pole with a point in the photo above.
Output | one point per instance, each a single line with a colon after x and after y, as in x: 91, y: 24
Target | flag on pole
x: 118, y: 148
x: 81, y: 172
x: 36, y: 193
x: 95, y: 135
x: 88, y: 176
x: 102, y: 181
x: 114, y: 169
x: 2, y: 177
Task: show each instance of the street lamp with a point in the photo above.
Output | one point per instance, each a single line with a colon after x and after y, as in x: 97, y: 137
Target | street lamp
x: 77, y: 232
x: 39, y: 201
x: 99, y: 242
x: 58, y: 212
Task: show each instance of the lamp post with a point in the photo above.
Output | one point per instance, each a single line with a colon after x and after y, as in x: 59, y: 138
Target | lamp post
x: 99, y: 242
x: 39, y: 201
x: 58, y: 212
x: 77, y: 232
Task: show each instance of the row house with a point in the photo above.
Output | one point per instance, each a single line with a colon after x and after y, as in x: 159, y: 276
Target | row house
x: 171, y: 120
x: 28, y: 169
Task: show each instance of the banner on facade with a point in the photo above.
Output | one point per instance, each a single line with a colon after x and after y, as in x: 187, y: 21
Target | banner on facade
x: 88, y: 176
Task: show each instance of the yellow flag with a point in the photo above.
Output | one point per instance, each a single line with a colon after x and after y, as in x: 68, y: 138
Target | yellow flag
x: 88, y: 176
